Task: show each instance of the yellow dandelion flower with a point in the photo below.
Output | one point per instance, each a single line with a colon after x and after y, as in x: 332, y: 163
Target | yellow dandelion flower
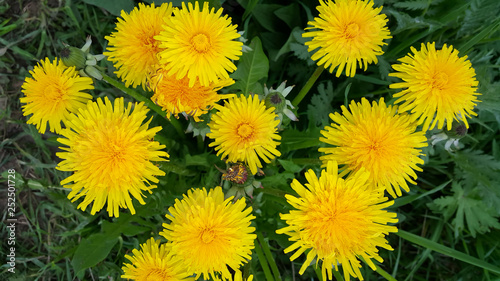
x: 176, y: 96
x: 378, y: 139
x: 238, y: 276
x: 53, y: 93
x: 438, y: 86
x: 153, y: 263
x: 337, y: 220
x: 350, y: 32
x: 199, y: 44
x: 210, y: 234
x: 109, y: 150
x: 244, y: 130
x: 132, y: 47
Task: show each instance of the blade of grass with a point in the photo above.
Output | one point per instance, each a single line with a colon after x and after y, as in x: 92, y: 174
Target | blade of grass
x: 433, y: 246
x: 269, y: 256
x: 427, y: 252
x: 263, y: 262
x: 467, y: 46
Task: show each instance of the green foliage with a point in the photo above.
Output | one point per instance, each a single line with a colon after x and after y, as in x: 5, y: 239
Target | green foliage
x: 448, y: 231
x: 252, y: 68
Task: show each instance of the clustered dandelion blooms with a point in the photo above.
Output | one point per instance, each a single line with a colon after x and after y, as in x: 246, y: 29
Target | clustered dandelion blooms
x: 378, y: 139
x: 153, y: 262
x: 53, y: 92
x: 347, y: 33
x: 438, y: 86
x: 244, y: 130
x: 337, y: 221
x: 133, y: 48
x: 110, y: 152
x: 199, y: 44
x: 176, y: 96
x: 210, y: 233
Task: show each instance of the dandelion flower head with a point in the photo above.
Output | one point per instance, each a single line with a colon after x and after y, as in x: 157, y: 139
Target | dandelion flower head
x: 153, y: 263
x: 132, y: 47
x: 375, y: 137
x: 210, y: 233
x: 337, y: 220
x: 438, y: 86
x: 347, y: 33
x: 199, y: 44
x: 176, y: 96
x: 244, y: 130
x: 110, y: 152
x: 53, y: 92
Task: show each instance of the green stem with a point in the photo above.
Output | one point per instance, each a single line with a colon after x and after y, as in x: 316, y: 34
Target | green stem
x: 303, y: 92
x: 150, y: 104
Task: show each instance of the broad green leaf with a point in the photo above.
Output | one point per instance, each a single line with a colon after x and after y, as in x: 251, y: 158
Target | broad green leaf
x: 289, y: 166
x: 252, y: 67
x: 289, y: 14
x: 92, y: 250
x: 295, y: 139
x: 264, y: 14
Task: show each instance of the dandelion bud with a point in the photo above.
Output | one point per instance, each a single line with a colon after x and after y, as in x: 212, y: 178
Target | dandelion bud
x: 458, y: 131
x: 72, y: 56
x: 275, y: 100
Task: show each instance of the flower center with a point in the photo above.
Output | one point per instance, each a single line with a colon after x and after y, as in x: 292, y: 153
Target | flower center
x: 208, y: 236
x: 245, y: 130
x: 200, y: 42
x: 53, y: 94
x: 439, y: 81
x: 156, y: 275
x: 351, y: 30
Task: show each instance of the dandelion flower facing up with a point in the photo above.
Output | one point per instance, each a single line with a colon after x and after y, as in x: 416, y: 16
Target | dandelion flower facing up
x: 244, y: 130
x: 375, y: 137
x: 199, y: 44
x: 153, y: 263
x: 53, y: 92
x: 109, y: 150
x: 176, y: 96
x: 350, y: 32
x: 132, y: 47
x: 210, y: 233
x: 438, y: 86
x: 337, y: 220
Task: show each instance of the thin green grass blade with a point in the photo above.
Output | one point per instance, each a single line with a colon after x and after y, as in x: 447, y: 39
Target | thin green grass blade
x: 263, y: 262
x: 269, y: 256
x: 426, y: 243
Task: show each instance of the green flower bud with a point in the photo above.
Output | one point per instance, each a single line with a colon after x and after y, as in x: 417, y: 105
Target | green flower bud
x: 458, y: 131
x: 72, y: 56
x: 276, y: 100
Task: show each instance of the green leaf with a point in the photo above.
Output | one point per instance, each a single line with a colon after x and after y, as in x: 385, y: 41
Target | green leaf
x: 321, y: 104
x: 264, y: 14
x: 113, y: 6
x: 292, y: 139
x: 252, y: 67
x: 469, y: 209
x: 426, y: 243
x: 92, y: 250
x: 289, y: 14
x: 289, y: 166
x: 413, y: 5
